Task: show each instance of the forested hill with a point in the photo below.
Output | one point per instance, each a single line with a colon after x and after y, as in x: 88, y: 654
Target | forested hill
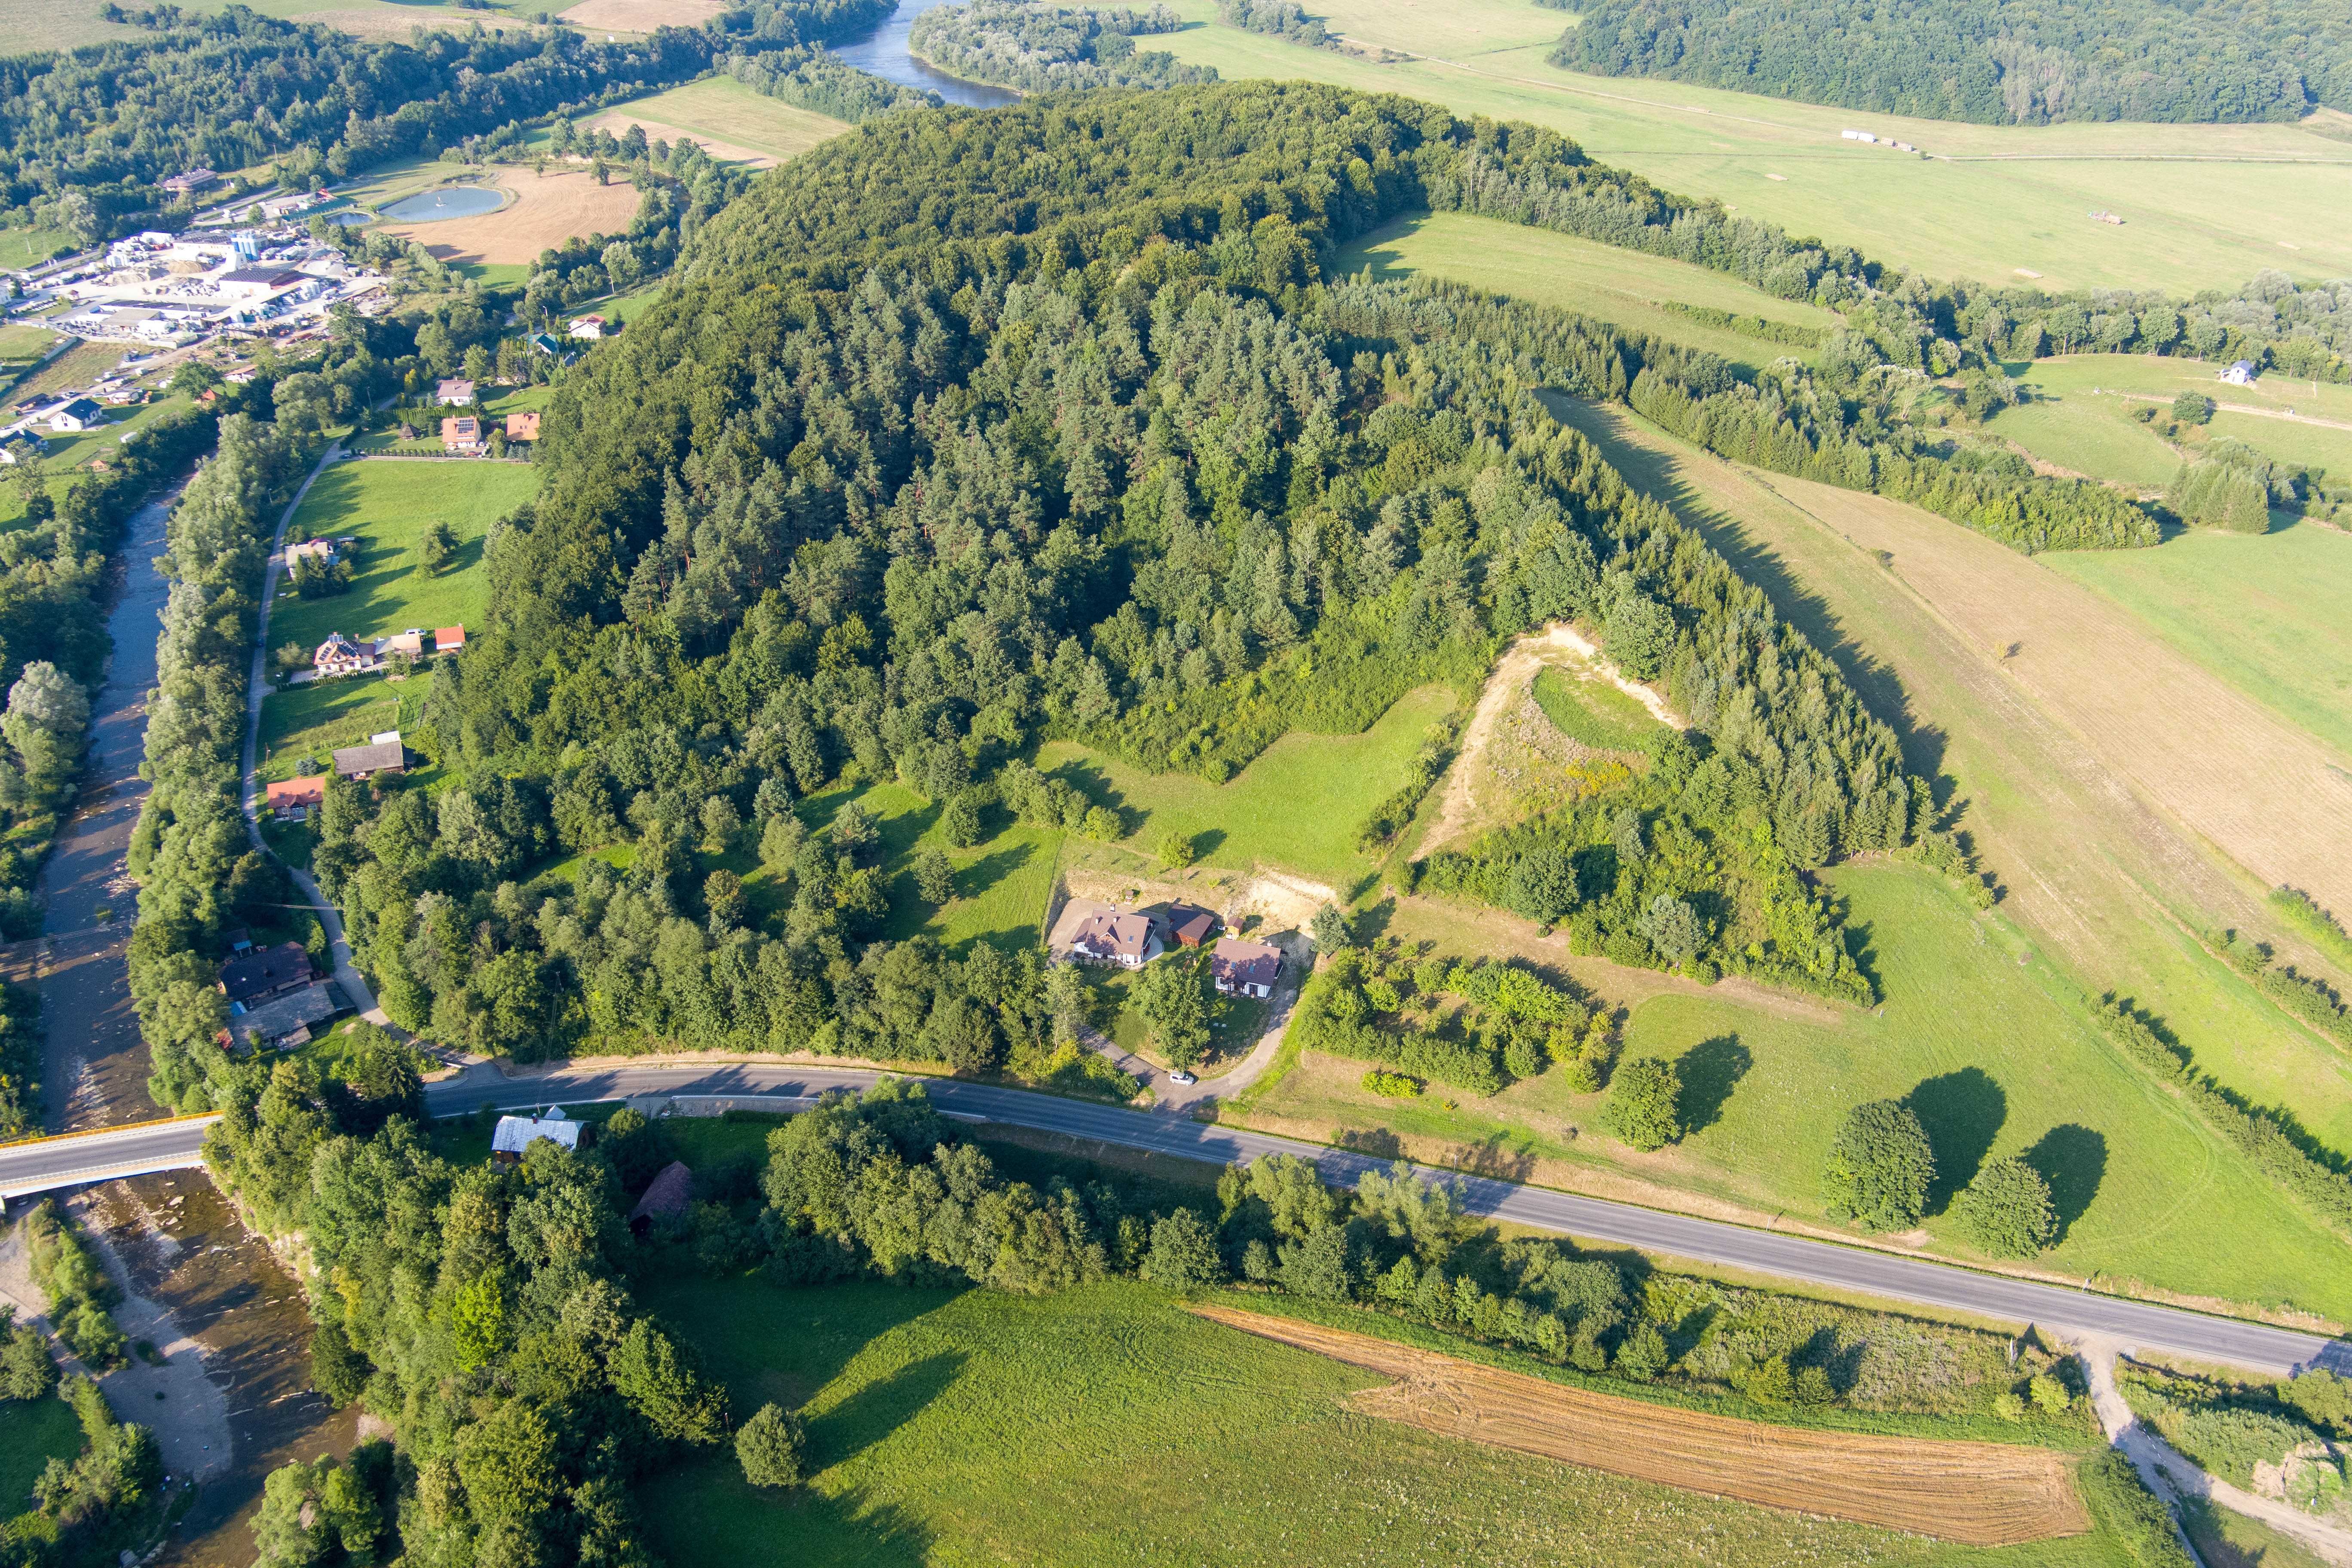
x: 1991, y: 61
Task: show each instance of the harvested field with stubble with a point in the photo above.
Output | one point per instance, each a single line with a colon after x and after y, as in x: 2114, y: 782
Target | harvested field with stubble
x: 640, y: 15
x: 1984, y: 1494
x: 2268, y: 794
x: 548, y: 209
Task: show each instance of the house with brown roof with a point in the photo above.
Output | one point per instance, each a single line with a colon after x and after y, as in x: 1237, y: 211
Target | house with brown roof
x: 295, y: 799
x: 462, y: 434
x: 263, y: 972
x: 1245, y: 968
x: 1129, y: 941
x: 339, y: 655
x: 523, y: 426
x: 1190, y: 925
x: 410, y: 642
x: 667, y: 1201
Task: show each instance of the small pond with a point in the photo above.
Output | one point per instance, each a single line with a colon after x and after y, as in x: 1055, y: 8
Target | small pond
x: 450, y: 201
x: 351, y: 218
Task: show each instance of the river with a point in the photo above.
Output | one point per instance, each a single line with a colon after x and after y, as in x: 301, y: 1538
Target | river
x: 95, y: 1066
x: 883, y: 52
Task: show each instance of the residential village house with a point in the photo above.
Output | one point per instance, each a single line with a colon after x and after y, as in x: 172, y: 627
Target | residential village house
x: 1245, y: 968
x: 1129, y: 941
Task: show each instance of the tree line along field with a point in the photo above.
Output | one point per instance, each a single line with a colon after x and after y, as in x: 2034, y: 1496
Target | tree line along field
x: 1105, y: 1424
x: 2008, y: 198
x: 1985, y: 1036
x: 1626, y: 287
x: 726, y: 113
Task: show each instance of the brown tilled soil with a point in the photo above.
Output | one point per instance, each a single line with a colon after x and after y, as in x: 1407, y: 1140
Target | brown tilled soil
x: 548, y: 209
x: 1985, y: 1494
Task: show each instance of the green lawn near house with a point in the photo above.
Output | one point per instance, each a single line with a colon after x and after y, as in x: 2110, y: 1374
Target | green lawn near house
x: 311, y: 720
x: 1105, y: 1425
x: 389, y: 503
x: 1298, y: 806
x: 1002, y: 882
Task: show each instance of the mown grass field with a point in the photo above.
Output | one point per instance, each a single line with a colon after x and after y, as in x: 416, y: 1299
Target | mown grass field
x: 31, y: 247
x: 1625, y: 288
x: 32, y: 1433
x: 1106, y: 1426
x: 1002, y: 882
x: 721, y: 109
x: 1298, y: 806
x: 1994, y: 200
x: 2093, y: 878
x: 389, y: 503
x: 311, y: 720
x: 71, y: 24
x: 2272, y: 615
x: 1989, y: 1039
x: 2094, y: 436
x: 1592, y: 711
x: 2096, y: 394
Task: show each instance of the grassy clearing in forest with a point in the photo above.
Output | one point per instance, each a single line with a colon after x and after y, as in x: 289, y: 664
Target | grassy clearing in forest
x: 1105, y: 1425
x: 721, y: 109
x: 1002, y: 882
x: 2206, y: 205
x: 1625, y: 288
x: 389, y: 503
x: 1298, y: 806
x: 32, y: 1433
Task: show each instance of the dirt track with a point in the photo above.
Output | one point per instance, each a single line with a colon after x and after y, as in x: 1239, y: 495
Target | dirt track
x: 1985, y: 1494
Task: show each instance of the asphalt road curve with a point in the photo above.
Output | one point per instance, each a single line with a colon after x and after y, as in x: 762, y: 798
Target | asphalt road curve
x: 2137, y: 1324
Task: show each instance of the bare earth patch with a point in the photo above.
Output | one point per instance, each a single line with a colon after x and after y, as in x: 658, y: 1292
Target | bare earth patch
x: 1985, y: 1494
x: 548, y: 209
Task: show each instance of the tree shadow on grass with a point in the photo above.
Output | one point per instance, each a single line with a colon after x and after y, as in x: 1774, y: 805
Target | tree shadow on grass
x: 1709, y: 1070
x: 991, y: 868
x: 881, y: 1407
x: 1962, y: 1112
x: 2074, y: 1159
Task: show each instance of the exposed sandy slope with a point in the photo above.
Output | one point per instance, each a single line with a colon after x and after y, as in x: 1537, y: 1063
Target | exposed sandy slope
x: 1987, y: 1494
x: 1556, y: 643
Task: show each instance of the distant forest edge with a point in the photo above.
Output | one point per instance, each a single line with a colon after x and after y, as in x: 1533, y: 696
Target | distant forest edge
x: 1994, y: 62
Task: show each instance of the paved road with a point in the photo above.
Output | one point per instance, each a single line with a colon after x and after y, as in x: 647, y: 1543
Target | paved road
x: 2135, y: 1324
x: 257, y: 687
x: 141, y: 1149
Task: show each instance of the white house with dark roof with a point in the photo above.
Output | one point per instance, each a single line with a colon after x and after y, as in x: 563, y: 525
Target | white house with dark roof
x: 1129, y: 941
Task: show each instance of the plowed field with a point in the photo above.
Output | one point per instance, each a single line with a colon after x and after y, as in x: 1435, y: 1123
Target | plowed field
x: 1985, y: 1494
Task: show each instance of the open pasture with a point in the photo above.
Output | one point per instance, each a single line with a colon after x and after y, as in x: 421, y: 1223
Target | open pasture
x: 1105, y: 1425
x: 1625, y: 288
x: 2205, y: 206
x: 727, y: 119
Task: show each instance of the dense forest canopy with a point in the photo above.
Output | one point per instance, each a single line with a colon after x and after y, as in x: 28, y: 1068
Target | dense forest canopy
x: 1989, y: 61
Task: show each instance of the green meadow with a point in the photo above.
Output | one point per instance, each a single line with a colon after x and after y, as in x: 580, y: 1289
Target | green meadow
x: 2205, y: 206
x: 1105, y: 1425
x: 2271, y: 615
x: 388, y: 503
x: 1299, y: 805
x: 1002, y: 883
x: 1625, y: 288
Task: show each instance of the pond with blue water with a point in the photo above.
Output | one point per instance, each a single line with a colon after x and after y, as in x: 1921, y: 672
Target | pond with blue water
x: 450, y: 201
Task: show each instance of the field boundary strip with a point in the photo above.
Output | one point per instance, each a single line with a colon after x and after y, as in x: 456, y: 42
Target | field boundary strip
x: 1982, y: 1494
